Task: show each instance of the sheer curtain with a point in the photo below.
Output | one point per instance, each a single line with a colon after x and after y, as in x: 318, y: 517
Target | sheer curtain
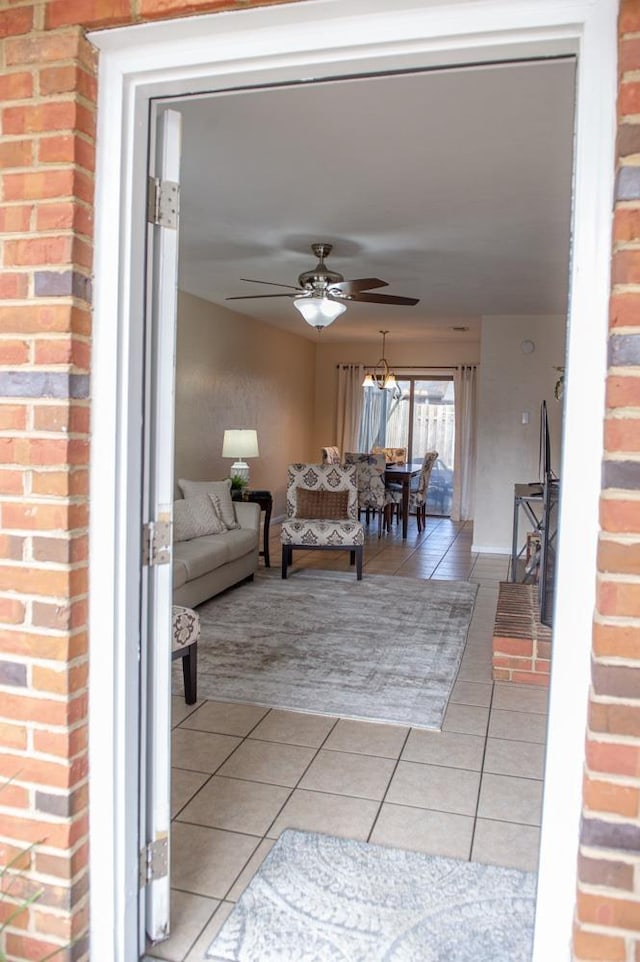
x: 465, y: 383
x: 349, y: 409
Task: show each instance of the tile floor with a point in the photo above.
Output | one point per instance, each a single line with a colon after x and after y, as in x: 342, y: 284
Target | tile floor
x: 244, y: 773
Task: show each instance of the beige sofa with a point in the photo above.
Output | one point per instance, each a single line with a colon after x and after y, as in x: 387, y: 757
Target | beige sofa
x: 216, y: 557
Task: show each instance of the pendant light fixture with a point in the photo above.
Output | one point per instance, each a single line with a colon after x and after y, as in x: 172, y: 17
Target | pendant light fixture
x: 381, y: 376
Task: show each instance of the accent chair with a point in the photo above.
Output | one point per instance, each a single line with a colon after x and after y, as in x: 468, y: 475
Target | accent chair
x: 185, y: 631
x: 322, y: 512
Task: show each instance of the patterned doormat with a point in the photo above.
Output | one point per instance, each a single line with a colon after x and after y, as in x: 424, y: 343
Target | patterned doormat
x: 326, y: 899
x: 383, y: 649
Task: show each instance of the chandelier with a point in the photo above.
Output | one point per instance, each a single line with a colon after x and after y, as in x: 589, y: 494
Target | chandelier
x: 381, y: 376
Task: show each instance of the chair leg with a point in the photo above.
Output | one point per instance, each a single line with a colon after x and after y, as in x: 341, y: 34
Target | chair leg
x: 285, y: 559
x: 419, y: 517
x: 352, y: 557
x: 189, y: 673
x: 380, y: 513
x: 358, y: 554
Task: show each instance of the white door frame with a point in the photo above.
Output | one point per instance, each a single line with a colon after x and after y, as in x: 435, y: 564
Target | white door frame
x: 323, y: 38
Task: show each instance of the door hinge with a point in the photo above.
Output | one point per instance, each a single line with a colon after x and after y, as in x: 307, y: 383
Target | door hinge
x: 154, y: 861
x: 164, y: 203
x: 156, y: 543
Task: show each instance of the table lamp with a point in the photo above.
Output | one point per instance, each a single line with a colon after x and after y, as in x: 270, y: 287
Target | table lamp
x: 240, y: 444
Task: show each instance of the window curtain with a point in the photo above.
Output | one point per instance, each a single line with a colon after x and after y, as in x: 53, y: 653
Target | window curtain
x: 373, y: 422
x: 465, y: 384
x: 349, y: 409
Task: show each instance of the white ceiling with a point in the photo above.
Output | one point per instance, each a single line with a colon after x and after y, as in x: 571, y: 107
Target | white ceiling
x: 454, y: 186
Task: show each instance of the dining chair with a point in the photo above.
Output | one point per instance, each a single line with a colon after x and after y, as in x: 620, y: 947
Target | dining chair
x: 372, y: 493
x: 418, y: 497
x: 322, y: 512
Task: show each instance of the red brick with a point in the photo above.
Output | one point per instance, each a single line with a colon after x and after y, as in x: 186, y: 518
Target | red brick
x: 619, y: 557
x: 11, y: 482
x: 39, y: 185
x: 606, y: 910
x: 40, y: 250
x: 530, y: 678
x: 623, y: 391
x: 506, y: 661
x: 620, y: 516
x: 29, y: 948
x: 11, y: 611
x: 622, y: 434
x: 16, y: 153
x: 14, y: 218
x: 618, y: 641
x: 625, y: 264
x: 16, y: 86
x: 629, y: 17
x: 615, y: 719
x: 154, y: 9
x: 613, y: 758
x: 49, y: 48
x: 13, y: 285
x: 629, y: 98
x: 596, y: 947
x: 618, y: 598
x: 17, y: 21
x: 34, y: 645
x: 68, y: 79
x: 34, y: 318
x: 13, y: 416
x: 13, y: 352
x: 94, y: 13
x: 624, y: 309
x: 629, y: 55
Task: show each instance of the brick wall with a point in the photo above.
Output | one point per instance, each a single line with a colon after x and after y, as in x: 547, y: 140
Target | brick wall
x: 608, y: 904
x: 47, y: 90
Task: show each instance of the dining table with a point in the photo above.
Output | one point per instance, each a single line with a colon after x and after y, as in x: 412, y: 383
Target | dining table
x: 403, y: 474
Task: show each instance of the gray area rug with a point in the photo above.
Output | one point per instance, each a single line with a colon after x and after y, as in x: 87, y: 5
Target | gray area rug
x: 383, y: 649
x: 322, y: 899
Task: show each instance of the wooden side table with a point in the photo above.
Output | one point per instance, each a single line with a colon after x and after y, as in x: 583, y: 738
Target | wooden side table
x: 265, y: 500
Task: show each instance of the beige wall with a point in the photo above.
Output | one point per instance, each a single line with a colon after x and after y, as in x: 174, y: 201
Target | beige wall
x: 235, y: 372
x: 399, y: 353
x: 510, y: 383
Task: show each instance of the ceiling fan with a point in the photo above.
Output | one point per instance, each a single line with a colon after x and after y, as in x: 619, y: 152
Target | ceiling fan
x: 321, y: 292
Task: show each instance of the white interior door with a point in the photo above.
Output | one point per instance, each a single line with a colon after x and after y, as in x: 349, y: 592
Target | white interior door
x: 157, y: 497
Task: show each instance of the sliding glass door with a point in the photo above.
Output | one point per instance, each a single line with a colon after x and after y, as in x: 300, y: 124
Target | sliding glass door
x: 419, y: 416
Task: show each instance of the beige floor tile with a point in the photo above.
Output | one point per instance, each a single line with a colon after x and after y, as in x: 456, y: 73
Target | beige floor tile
x: 197, y: 953
x: 180, y: 710
x: 269, y: 762
x: 451, y: 749
x: 468, y: 719
x: 518, y: 726
x: 321, y: 812
x: 200, y: 751
x: 236, y: 805
x: 502, y: 843
x: 471, y: 693
x: 436, y: 833
x: 432, y: 786
x: 521, y: 698
x: 344, y: 773
x: 206, y: 861
x: 189, y: 916
x: 367, y: 738
x: 524, y: 759
x: 470, y: 671
x: 250, y: 869
x: 503, y: 797
x: 225, y: 718
x: 184, y: 785
x: 294, y: 728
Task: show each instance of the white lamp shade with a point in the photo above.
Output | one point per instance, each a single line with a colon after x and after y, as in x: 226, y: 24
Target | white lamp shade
x: 240, y: 444
x: 319, y: 312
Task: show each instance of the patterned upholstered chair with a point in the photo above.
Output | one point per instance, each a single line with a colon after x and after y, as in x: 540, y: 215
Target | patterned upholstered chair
x: 185, y: 631
x: 322, y: 512
x: 373, y: 497
x: 392, y: 455
x: 331, y: 455
x: 418, y: 497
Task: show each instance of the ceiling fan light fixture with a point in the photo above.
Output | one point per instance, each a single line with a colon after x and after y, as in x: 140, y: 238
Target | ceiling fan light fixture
x: 318, y: 311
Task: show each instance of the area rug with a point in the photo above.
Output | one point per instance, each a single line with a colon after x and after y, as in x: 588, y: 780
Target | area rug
x: 325, y: 899
x: 383, y: 649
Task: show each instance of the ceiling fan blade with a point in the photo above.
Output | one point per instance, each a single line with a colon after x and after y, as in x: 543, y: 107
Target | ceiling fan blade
x: 384, y: 298
x: 359, y: 284
x: 251, y: 280
x: 252, y: 297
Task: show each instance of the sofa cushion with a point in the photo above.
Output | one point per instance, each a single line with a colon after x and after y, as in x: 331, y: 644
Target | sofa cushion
x: 220, y: 492
x: 241, y: 542
x: 202, y: 555
x: 179, y: 572
x: 194, y: 517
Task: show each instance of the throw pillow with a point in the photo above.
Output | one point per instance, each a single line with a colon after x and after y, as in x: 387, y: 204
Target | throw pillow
x: 195, y: 517
x: 221, y: 489
x: 324, y: 505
